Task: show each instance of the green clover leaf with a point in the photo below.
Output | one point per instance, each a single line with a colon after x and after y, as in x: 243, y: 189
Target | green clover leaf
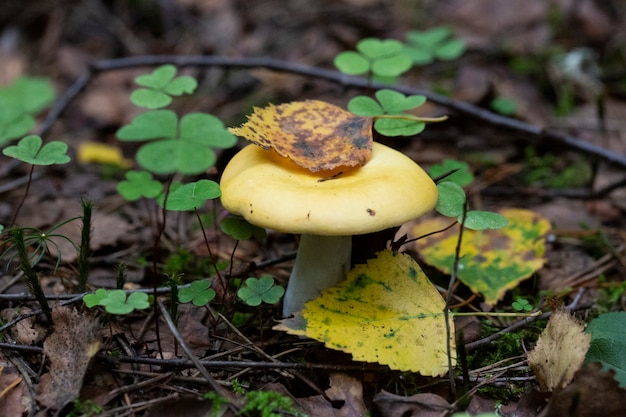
x: 383, y: 58
x: 438, y: 43
x: 481, y: 220
x: 199, y: 293
x: 462, y: 176
x: 191, y: 196
x: 139, y: 184
x: 29, y: 150
x: 161, y: 85
x: 155, y: 124
x: 450, y: 199
x: 521, y: 304
x: 117, y: 302
x: 238, y: 228
x: 27, y: 94
x: 255, y: 291
x: 391, y: 103
x: 19, y: 101
x: 184, y: 147
x: 94, y: 299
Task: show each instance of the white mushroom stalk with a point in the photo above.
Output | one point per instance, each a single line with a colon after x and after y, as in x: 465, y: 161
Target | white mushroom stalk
x: 321, y: 263
x: 326, y: 208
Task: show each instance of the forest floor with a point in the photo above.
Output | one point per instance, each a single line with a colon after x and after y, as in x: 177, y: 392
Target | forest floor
x: 560, y: 153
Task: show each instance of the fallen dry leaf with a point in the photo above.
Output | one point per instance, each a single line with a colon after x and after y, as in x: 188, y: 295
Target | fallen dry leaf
x: 343, y: 389
x: 13, y: 398
x: 314, y: 134
x: 593, y: 393
x: 560, y: 351
x: 26, y: 331
x: 422, y: 405
x: 75, y: 340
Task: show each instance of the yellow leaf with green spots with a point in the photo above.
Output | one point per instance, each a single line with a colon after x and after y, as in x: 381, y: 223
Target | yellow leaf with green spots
x: 386, y: 311
x: 492, y: 261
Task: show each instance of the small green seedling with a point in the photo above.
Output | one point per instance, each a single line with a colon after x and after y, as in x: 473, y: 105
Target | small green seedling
x: 423, y: 47
x: 262, y: 290
x: 503, y: 105
x: 41, y: 241
x: 31, y: 151
x: 451, y: 203
x: 199, y: 293
x: 84, y: 409
x: 117, y: 301
x: 139, y: 184
x: 268, y: 404
x: 521, y: 304
x: 238, y: 228
x: 160, y: 86
x: 381, y: 58
x: 451, y: 198
x: 19, y: 102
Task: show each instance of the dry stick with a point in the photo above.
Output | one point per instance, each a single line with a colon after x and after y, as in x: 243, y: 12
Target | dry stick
x: 255, y: 348
x: 228, y: 364
x: 532, y: 131
x: 214, y: 384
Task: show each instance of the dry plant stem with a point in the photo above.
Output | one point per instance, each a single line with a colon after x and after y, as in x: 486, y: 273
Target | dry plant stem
x: 446, y: 311
x: 573, y: 306
x: 531, y: 132
x: 136, y: 407
x: 214, y: 384
x: 21, y: 203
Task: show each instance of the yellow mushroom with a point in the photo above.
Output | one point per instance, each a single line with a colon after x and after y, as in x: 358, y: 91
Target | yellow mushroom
x: 326, y: 208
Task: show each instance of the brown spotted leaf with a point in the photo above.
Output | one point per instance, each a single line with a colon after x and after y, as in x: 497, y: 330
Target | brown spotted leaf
x: 314, y: 134
x: 75, y: 340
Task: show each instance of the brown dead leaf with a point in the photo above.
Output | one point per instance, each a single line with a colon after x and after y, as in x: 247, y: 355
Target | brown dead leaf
x: 75, y: 340
x: 593, y: 393
x: 26, y: 331
x: 560, y: 351
x: 343, y: 389
x: 314, y: 134
x: 12, y: 392
x: 422, y: 405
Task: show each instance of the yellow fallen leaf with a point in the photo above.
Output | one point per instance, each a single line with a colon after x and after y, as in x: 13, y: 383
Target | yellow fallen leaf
x: 560, y: 351
x: 314, y: 134
x: 491, y: 261
x: 386, y: 311
x: 101, y: 153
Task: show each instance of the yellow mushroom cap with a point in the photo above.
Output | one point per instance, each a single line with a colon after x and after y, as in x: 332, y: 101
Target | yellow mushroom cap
x: 272, y: 192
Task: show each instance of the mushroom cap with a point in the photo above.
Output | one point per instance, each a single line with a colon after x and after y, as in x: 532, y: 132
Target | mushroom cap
x: 270, y: 191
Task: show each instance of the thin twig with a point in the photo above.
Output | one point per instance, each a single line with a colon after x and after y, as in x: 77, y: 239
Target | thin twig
x: 225, y: 364
x: 233, y: 402
x: 573, y: 306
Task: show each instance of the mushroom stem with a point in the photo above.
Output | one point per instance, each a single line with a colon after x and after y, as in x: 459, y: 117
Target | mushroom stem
x: 322, y: 262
